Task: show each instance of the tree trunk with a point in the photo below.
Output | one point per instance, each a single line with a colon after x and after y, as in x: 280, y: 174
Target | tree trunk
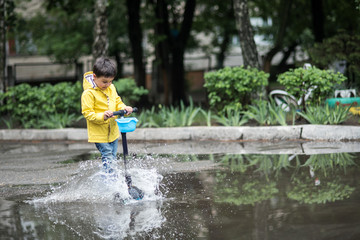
x: 2, y: 46
x: 227, y: 34
x: 160, y: 80
x: 170, y: 52
x: 178, y: 75
x: 101, y: 42
x: 220, y: 57
x: 119, y: 65
x: 317, y: 13
x: 178, y: 49
x: 246, y: 34
x: 135, y: 35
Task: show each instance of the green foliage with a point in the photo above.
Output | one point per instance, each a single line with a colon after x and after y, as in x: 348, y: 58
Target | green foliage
x: 8, y: 122
x: 342, y: 46
x: 270, y: 165
x: 259, y: 113
x: 325, y: 162
x: 216, y: 20
x: 128, y: 91
x: 208, y: 116
x: 299, y: 81
x: 59, y: 120
x: 305, y: 191
x: 171, y: 116
x: 232, y: 87
x: 63, y: 31
x: 118, y: 33
x: 183, y: 116
x: 267, y: 113
x: 236, y: 162
x: 231, y: 118
x: 277, y: 114
x: 246, y: 183
x: 243, y: 193
x: 32, y: 106
x: 326, y: 115
x: 149, y: 118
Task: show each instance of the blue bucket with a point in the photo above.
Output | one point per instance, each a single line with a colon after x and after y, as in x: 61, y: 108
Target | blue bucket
x: 126, y: 124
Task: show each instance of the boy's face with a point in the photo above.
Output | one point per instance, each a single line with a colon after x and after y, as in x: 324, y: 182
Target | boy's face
x: 102, y: 82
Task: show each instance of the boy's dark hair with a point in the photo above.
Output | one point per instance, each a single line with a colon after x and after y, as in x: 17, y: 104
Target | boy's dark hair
x: 103, y: 67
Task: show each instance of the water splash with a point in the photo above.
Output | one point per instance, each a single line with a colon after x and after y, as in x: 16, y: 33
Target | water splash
x: 91, y: 184
x: 85, y: 203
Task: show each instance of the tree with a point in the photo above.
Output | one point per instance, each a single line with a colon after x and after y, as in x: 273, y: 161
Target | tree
x: 63, y: 32
x: 135, y: 36
x: 119, y: 41
x: 285, y: 6
x: 2, y: 46
x: 292, y: 27
x: 317, y: 13
x: 174, y: 28
x: 7, y: 21
x: 246, y: 34
x: 341, y: 47
x: 161, y: 68
x: 216, y: 20
x: 101, y: 41
x: 178, y: 47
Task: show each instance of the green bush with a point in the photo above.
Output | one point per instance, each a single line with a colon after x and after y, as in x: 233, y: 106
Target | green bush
x: 33, y: 105
x: 232, y: 87
x: 299, y: 81
x: 128, y: 91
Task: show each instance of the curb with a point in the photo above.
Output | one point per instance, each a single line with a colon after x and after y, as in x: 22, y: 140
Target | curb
x: 270, y: 133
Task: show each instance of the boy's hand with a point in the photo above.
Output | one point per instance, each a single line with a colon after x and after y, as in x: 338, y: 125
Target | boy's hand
x: 129, y: 110
x: 108, y: 114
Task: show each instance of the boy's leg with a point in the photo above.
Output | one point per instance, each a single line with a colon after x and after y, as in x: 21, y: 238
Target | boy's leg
x: 114, y: 146
x: 108, y: 154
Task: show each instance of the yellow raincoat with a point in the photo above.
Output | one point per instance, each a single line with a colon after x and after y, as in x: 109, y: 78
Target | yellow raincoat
x: 94, y: 102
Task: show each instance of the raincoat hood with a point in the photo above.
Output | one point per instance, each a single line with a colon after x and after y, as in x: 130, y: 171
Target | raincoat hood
x: 88, y: 81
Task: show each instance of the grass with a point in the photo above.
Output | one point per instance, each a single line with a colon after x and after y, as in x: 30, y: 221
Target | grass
x: 326, y: 115
x: 263, y: 113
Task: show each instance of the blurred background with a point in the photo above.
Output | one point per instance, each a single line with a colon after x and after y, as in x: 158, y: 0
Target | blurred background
x: 167, y: 46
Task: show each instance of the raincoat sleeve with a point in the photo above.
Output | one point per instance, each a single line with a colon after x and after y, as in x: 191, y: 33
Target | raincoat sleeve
x: 87, y: 109
x: 119, y: 103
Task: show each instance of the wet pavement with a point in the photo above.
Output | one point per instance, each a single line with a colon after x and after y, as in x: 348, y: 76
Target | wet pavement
x: 209, y: 190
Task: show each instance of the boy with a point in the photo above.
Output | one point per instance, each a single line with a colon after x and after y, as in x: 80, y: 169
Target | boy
x: 98, y: 102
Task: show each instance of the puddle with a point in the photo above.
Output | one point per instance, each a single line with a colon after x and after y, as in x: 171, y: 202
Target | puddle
x: 202, y: 196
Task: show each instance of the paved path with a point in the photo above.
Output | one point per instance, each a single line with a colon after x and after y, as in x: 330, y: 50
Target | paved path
x: 272, y: 133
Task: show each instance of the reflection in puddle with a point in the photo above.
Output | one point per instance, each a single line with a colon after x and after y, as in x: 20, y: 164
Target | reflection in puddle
x: 246, y: 197
x: 312, y: 179
x: 106, y: 221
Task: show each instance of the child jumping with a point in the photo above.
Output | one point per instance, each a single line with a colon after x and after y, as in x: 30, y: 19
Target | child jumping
x: 98, y: 102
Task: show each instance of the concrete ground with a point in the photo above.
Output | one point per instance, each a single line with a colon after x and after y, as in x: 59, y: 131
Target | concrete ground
x: 271, y: 133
